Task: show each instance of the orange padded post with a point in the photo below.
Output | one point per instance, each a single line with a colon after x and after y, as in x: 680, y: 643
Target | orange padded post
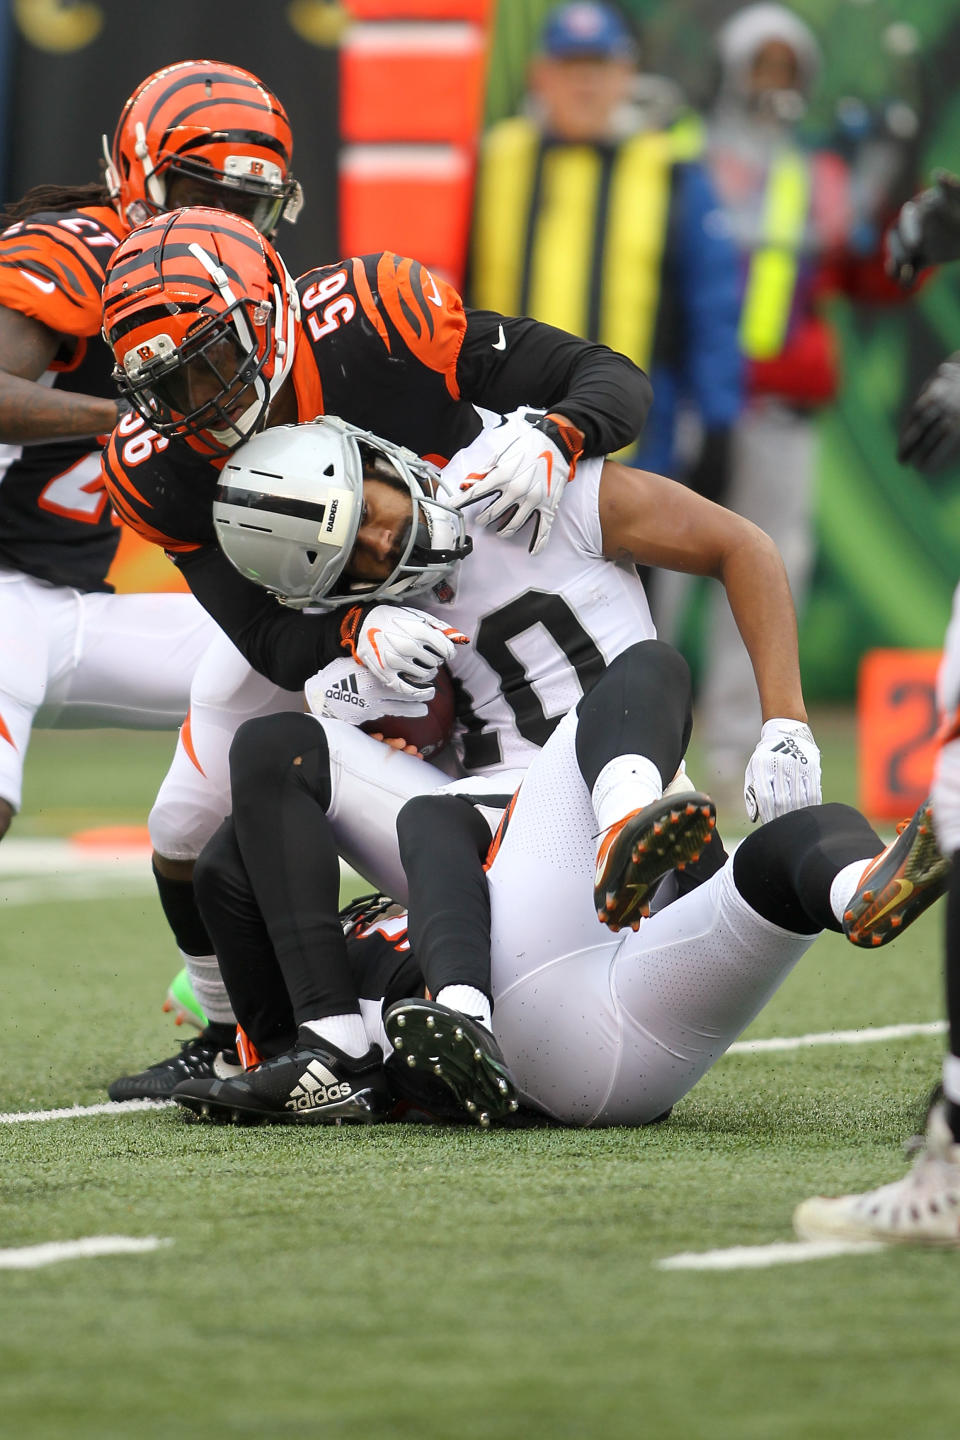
x: 411, y: 108
x: 897, y: 724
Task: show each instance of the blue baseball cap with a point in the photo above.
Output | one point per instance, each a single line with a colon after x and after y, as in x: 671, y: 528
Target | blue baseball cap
x: 586, y: 28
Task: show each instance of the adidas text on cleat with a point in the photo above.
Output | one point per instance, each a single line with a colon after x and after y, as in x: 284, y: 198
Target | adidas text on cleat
x: 313, y: 1084
x: 921, y: 1209
x: 638, y: 850
x: 204, y: 1057
x: 183, y: 1004
x: 449, y: 1062
x: 898, y: 885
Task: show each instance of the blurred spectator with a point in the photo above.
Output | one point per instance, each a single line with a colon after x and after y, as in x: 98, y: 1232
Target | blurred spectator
x: 588, y: 218
x: 801, y: 237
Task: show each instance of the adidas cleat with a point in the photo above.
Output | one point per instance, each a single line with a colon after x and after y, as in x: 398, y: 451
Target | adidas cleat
x: 923, y: 1208
x: 636, y: 852
x: 458, y: 1068
x: 183, y: 1004
x: 314, y: 1084
x: 207, y: 1056
x: 898, y: 885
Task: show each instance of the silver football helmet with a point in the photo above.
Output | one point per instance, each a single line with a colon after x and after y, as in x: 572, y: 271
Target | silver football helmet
x: 289, y: 506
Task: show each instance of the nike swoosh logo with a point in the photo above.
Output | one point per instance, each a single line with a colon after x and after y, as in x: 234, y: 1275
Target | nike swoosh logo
x: 47, y: 286
x: 545, y: 455
x: 904, y: 891
x: 372, y: 642
x: 435, y: 297
x: 500, y: 344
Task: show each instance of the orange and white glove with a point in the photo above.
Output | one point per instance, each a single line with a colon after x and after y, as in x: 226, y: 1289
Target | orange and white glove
x: 532, y: 457
x: 404, y: 648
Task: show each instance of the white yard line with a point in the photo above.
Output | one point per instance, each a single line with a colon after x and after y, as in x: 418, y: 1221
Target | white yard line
x: 760, y: 1257
x: 839, y: 1037
x: 77, y: 1112
x: 32, y: 1257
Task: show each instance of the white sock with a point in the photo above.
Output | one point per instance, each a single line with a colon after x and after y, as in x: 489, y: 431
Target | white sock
x: 681, y: 784
x: 466, y: 1001
x: 844, y: 884
x: 208, y: 987
x: 626, y: 783
x: 951, y: 1078
x: 347, y: 1032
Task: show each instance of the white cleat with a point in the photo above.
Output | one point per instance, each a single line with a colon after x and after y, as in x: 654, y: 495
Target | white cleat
x: 923, y: 1208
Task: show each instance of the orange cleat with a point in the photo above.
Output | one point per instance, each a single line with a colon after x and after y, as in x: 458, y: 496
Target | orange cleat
x: 638, y: 850
x: 898, y: 885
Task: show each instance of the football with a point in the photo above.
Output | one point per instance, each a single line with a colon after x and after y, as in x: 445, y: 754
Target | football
x: 430, y: 732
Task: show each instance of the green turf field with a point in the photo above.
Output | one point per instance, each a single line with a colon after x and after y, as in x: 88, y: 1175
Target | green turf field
x: 447, y: 1284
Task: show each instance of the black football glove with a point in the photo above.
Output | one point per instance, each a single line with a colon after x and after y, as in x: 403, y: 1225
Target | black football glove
x: 930, y: 435
x: 927, y: 230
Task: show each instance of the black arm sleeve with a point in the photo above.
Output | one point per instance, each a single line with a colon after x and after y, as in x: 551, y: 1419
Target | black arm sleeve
x: 602, y: 392
x: 284, y: 645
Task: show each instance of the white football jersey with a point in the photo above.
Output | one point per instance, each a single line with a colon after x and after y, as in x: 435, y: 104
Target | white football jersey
x: 542, y: 628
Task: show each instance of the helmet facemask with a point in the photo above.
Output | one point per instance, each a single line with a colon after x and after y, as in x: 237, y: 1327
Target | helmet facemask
x: 193, y: 390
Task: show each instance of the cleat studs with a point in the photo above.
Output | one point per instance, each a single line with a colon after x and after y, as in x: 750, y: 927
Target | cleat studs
x: 867, y: 897
x: 398, y: 1043
x: 690, y: 810
x: 658, y: 828
x: 513, y: 1106
x: 484, y: 1119
x: 695, y: 857
x: 431, y: 1023
x: 438, y: 1069
x: 478, y: 1054
x: 458, y: 1033
x: 471, y: 1107
x: 411, y: 1061
x: 876, y: 939
x: 502, y: 1086
x: 205, y: 1111
x: 682, y: 864
x: 401, y: 1021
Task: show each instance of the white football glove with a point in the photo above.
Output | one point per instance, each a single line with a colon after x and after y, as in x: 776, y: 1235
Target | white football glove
x: 344, y: 690
x: 404, y: 648
x: 533, y: 458
x: 784, y: 771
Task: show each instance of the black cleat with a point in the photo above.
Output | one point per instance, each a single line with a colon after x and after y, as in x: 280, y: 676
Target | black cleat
x: 638, y: 850
x: 456, y: 1069
x: 898, y: 885
x: 205, y: 1057
x: 313, y: 1084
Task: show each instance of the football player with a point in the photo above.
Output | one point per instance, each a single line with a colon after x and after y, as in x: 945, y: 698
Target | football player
x: 214, y: 340
x: 73, y: 653
x: 591, y: 1029
x: 544, y: 628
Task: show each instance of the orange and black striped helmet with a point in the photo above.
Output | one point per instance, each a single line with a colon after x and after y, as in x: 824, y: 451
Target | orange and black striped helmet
x: 202, y: 317
x: 218, y: 132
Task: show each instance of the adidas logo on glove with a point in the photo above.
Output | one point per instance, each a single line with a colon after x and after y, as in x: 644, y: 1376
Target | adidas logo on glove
x: 347, y: 692
x: 787, y: 746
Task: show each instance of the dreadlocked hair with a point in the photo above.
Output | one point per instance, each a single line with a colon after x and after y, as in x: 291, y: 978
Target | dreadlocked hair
x: 54, y: 197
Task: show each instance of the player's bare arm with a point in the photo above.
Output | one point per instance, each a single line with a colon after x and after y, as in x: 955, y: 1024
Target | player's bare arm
x: 30, y: 411
x: 651, y: 520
